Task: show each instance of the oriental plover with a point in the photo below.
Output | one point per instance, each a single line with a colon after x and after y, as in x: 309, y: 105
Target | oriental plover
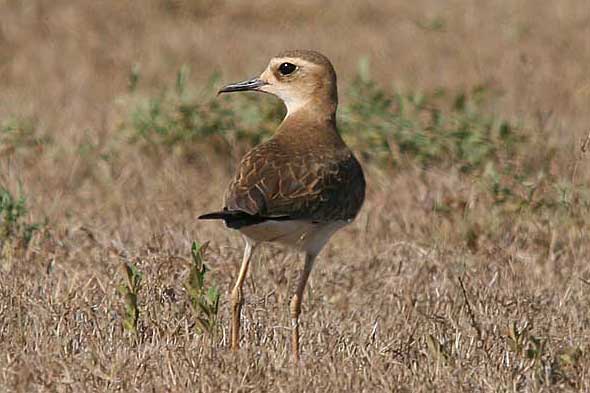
x: 300, y: 186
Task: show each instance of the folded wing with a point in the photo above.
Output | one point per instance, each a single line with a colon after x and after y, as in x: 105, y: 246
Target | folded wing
x: 274, y: 185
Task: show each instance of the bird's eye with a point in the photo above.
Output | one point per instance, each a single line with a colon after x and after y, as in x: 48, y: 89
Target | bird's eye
x: 287, y: 68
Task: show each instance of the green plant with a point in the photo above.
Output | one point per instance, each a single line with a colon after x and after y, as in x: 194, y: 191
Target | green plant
x: 433, y: 129
x: 20, y: 132
x: 129, y: 290
x: 524, y: 344
x: 179, y: 117
x: 204, y: 299
x: 390, y: 126
x: 134, y: 77
x: 511, y: 166
x: 12, y: 218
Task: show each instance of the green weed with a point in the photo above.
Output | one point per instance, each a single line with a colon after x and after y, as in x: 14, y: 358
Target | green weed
x: 17, y: 133
x: 129, y: 290
x: 509, y: 164
x: 394, y: 127
x: 204, y: 299
x: 13, y: 223
x: 385, y: 126
x: 180, y: 117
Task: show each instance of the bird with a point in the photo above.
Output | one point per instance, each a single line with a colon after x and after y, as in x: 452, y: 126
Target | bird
x: 300, y: 186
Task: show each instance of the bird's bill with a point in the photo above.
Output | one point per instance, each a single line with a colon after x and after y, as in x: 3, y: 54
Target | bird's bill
x: 251, y: 84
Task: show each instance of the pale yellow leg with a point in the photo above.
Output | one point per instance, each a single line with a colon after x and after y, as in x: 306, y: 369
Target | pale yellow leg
x: 237, y: 299
x: 296, y: 304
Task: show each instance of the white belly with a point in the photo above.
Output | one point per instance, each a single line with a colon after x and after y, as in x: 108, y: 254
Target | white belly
x: 305, y: 235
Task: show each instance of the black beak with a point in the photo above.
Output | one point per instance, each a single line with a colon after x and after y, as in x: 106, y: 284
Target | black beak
x: 252, y: 84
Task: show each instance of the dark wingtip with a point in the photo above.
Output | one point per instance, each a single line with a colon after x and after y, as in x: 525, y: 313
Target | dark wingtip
x: 236, y: 219
x: 212, y: 216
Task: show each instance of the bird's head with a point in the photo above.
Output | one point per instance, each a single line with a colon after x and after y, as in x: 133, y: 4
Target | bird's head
x: 300, y: 78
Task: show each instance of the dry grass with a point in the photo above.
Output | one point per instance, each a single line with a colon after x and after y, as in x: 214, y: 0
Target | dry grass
x: 472, y: 297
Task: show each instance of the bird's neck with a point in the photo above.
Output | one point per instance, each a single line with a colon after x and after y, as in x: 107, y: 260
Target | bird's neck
x: 313, y: 124
x: 311, y: 110
x: 310, y: 118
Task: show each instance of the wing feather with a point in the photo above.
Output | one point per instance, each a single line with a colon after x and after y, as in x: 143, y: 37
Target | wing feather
x: 272, y: 181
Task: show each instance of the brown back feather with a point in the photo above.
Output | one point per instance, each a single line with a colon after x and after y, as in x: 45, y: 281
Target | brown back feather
x: 315, y: 177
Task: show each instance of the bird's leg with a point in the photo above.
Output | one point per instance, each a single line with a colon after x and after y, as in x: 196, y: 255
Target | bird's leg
x: 237, y: 299
x: 296, y: 304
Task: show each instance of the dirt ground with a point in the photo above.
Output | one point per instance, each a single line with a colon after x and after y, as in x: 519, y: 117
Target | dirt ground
x: 401, y: 300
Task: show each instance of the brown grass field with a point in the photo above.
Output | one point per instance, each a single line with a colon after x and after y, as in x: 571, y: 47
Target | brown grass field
x: 439, y: 285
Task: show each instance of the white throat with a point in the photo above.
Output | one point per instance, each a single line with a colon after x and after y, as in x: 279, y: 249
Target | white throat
x: 294, y: 104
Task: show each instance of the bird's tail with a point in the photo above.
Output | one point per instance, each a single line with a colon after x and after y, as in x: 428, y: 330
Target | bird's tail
x: 234, y: 219
x: 237, y: 219
x: 223, y: 215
